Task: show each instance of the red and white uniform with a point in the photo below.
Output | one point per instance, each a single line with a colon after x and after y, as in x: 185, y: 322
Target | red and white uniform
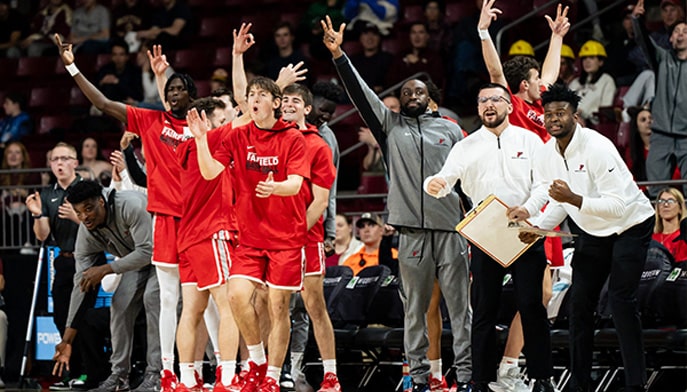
x: 272, y: 230
x: 160, y: 134
x: 322, y: 174
x: 205, y: 230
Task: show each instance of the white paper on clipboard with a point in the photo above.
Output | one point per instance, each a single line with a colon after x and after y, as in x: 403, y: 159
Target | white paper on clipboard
x: 486, y: 226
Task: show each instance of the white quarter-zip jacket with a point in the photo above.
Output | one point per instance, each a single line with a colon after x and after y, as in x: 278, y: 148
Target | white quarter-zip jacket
x: 592, y: 168
x: 486, y: 164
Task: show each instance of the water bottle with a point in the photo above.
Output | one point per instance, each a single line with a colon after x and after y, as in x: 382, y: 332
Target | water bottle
x: 407, y: 384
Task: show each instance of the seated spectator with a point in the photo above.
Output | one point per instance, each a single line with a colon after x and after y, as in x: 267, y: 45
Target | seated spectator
x: 638, y: 147
x: 12, y: 26
x: 130, y: 16
x: 381, y: 13
x: 373, y: 63
x: 670, y: 211
x: 170, y: 25
x: 672, y: 12
x: 284, y: 52
x: 92, y: 159
x: 120, y: 79
x: 567, y: 72
x: 218, y: 80
x: 345, y: 243
x: 16, y: 123
x: 594, y: 85
x: 310, y: 29
x: 90, y: 31
x: 14, y: 191
x: 420, y: 58
x: 372, y: 252
x: 440, y: 35
x: 55, y: 18
x: 3, y: 324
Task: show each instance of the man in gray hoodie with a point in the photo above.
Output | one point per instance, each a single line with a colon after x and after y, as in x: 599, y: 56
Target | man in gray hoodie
x: 415, y: 144
x: 669, y: 108
x: 118, y: 223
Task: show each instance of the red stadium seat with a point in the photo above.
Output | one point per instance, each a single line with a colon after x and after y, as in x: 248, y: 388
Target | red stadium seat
x: 203, y: 88
x: 36, y: 67
x: 352, y: 47
x: 215, y: 28
x: 77, y: 98
x: 222, y: 57
x: 412, y: 13
x: 457, y: 10
x: 48, y: 123
x: 190, y: 60
x: 48, y: 98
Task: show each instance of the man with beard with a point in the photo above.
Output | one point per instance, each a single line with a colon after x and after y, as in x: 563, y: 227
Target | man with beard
x: 415, y: 143
x: 497, y: 159
x: 588, y: 180
x: 160, y: 132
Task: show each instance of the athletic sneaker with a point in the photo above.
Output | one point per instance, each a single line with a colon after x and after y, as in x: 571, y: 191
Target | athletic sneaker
x: 460, y: 387
x: 509, y: 380
x: 254, y: 378
x: 168, y: 381
x: 114, y: 383
x: 437, y: 385
x: 330, y: 383
x: 150, y: 383
x: 286, y: 382
x: 269, y: 384
x: 68, y: 385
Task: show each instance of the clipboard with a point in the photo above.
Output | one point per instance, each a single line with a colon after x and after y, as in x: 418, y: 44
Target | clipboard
x: 486, y: 227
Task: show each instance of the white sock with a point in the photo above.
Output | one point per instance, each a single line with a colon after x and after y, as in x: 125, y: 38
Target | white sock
x: 168, y: 363
x: 198, y: 367
x: 244, y: 365
x: 188, y: 376
x: 274, y: 372
x: 329, y: 366
x: 435, y: 368
x: 257, y: 353
x: 509, y: 361
x: 228, y: 371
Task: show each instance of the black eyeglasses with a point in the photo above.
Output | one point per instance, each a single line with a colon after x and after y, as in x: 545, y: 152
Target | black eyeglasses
x: 666, y: 201
x: 362, y: 261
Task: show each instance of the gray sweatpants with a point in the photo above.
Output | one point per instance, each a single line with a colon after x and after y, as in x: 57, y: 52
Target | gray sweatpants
x: 136, y: 289
x: 425, y: 255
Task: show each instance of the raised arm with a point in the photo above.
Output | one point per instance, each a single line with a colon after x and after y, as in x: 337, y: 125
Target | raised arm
x: 552, y: 61
x: 95, y: 96
x: 209, y: 166
x: 243, y: 40
x: 489, y: 53
x: 159, y: 65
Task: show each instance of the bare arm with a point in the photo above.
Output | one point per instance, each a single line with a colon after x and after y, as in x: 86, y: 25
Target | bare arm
x: 552, y: 61
x: 95, y: 96
x: 489, y: 53
x: 243, y: 40
x: 209, y: 167
x: 159, y: 65
x: 319, y: 204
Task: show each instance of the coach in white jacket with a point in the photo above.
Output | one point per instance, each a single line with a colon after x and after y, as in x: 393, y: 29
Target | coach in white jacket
x: 586, y: 179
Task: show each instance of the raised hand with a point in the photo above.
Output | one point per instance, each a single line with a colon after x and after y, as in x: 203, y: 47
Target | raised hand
x: 639, y: 9
x: 158, y: 61
x: 65, y: 50
x: 243, y: 40
x: 265, y: 188
x: 33, y: 204
x: 66, y: 211
x: 126, y: 139
x: 488, y: 14
x: 332, y: 38
x: 561, y: 25
x: 197, y: 123
x: 291, y: 74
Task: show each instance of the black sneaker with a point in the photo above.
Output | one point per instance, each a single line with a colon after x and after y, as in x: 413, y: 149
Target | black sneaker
x: 544, y: 385
x: 150, y: 383
x: 286, y: 382
x: 114, y: 383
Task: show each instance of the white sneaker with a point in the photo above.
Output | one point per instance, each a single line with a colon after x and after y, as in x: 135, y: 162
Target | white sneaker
x: 508, y: 379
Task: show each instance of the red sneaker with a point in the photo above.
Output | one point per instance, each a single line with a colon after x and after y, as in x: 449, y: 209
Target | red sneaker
x: 253, y: 379
x: 168, y: 381
x: 269, y: 384
x: 436, y: 385
x: 330, y: 383
x: 180, y: 387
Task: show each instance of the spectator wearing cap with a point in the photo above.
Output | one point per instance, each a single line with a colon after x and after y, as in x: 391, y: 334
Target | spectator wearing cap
x: 381, y: 13
x: 373, y: 63
x: 218, y: 80
x: 372, y: 232
x: 420, y: 58
x: 521, y: 48
x: 567, y: 72
x: 594, y: 85
x: 672, y: 12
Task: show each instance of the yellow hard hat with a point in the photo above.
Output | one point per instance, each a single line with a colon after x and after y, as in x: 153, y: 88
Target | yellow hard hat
x: 566, y: 51
x: 521, y: 48
x: 592, y: 48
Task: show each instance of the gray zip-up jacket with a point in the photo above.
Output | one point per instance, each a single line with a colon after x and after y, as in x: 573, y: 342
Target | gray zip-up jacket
x: 330, y: 213
x: 414, y: 149
x: 127, y: 233
x: 669, y: 108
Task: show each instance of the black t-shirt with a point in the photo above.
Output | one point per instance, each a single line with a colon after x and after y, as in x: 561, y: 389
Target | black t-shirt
x: 63, y: 230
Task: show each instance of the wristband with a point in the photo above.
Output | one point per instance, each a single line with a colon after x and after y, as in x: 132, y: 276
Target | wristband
x: 72, y: 69
x: 483, y: 34
x: 37, y: 216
